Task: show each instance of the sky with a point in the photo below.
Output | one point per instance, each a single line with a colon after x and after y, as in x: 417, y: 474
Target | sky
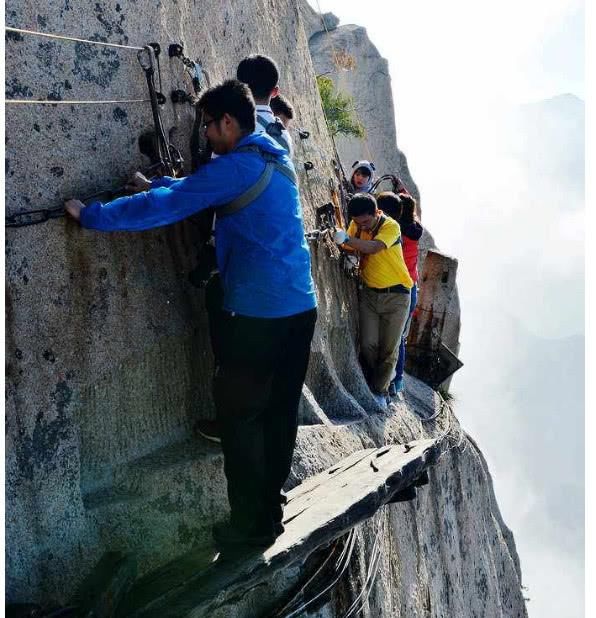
x: 497, y: 154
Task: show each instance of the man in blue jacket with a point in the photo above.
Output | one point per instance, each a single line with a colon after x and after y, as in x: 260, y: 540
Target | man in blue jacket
x: 269, y: 298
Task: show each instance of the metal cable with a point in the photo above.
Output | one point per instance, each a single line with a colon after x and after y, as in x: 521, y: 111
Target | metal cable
x: 61, y: 102
x: 291, y: 602
x: 371, y: 574
x: 346, y: 562
x: 69, y: 38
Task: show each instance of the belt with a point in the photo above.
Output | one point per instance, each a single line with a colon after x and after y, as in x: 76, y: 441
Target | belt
x: 399, y: 289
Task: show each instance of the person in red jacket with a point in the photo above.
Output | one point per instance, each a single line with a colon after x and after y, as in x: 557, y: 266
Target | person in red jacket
x: 402, y: 208
x: 411, y: 232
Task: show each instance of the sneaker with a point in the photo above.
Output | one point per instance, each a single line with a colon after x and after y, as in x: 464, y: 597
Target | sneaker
x: 226, y: 535
x: 399, y: 385
x: 381, y: 399
x: 392, y: 390
x: 210, y: 430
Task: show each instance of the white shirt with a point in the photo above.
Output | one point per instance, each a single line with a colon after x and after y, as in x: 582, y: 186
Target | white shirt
x: 264, y: 111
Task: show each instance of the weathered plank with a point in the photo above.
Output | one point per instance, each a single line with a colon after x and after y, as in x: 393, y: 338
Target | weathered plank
x: 318, y: 511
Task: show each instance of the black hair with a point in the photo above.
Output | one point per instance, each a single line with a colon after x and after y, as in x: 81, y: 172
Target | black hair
x: 408, y: 213
x: 280, y: 105
x: 362, y: 204
x: 260, y: 73
x: 364, y: 171
x: 230, y: 97
x: 390, y: 204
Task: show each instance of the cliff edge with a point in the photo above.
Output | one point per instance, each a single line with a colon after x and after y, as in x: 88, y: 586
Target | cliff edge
x: 107, y: 351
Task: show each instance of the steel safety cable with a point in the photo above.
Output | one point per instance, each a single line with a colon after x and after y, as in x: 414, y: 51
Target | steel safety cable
x: 70, y: 38
x: 73, y: 102
x: 373, y: 567
x: 292, y: 601
x: 344, y: 566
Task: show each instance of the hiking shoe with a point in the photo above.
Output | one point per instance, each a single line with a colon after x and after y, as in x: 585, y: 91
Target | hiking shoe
x: 226, y: 535
x: 381, y: 399
x: 392, y: 390
x: 209, y: 430
x: 399, y: 385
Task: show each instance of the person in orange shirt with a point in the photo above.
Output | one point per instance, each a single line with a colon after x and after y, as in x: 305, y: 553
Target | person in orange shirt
x: 384, y: 301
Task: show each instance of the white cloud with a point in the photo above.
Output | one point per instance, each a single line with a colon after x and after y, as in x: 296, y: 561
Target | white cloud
x: 516, y: 227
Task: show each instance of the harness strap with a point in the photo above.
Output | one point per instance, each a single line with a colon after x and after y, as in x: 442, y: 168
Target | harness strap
x: 274, y: 130
x: 382, y: 219
x: 253, y: 192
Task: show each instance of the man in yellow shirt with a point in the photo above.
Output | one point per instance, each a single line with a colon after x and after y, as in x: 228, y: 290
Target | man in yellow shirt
x: 385, y: 296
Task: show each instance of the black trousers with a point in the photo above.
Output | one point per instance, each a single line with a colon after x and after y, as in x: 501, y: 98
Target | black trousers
x: 262, y: 364
x: 215, y: 313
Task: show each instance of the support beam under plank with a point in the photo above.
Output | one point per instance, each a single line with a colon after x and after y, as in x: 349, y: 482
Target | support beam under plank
x: 319, y: 510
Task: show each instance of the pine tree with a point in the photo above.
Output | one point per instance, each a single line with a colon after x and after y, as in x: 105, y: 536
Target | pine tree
x: 339, y: 110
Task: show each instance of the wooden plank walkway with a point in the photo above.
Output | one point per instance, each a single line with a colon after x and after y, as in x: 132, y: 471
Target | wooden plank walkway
x: 319, y: 510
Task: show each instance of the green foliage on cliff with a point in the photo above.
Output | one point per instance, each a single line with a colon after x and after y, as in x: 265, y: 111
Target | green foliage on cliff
x: 339, y: 110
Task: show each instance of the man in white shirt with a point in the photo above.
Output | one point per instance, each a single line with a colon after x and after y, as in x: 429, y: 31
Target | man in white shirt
x: 261, y: 75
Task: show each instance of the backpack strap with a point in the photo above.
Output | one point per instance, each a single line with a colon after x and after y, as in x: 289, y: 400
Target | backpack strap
x: 275, y: 130
x: 377, y: 229
x: 252, y: 193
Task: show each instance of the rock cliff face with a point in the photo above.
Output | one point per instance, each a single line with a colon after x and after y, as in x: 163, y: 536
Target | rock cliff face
x: 369, y: 83
x: 108, y: 360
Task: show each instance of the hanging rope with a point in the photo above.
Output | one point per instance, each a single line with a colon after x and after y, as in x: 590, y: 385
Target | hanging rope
x: 70, y: 38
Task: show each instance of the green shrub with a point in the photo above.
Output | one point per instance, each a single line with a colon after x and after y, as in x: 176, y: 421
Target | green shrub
x: 339, y: 110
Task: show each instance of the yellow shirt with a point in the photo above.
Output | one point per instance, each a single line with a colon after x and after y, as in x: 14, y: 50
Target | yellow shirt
x: 387, y: 267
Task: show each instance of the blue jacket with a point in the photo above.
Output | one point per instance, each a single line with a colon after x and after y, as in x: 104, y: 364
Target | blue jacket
x: 262, y: 254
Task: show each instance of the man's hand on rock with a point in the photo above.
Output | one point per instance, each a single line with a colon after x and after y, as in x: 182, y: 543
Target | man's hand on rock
x: 73, y: 208
x: 340, y: 237
x: 138, y: 183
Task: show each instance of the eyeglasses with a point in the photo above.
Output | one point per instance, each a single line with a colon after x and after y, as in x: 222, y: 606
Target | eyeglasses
x: 206, y: 124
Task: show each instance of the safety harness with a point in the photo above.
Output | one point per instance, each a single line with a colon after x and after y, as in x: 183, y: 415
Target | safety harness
x: 272, y: 165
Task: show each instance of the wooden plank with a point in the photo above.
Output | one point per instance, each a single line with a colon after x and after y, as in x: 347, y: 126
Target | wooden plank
x: 318, y: 511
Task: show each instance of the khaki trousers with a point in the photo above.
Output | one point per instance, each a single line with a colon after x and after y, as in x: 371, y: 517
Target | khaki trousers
x: 382, y: 320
